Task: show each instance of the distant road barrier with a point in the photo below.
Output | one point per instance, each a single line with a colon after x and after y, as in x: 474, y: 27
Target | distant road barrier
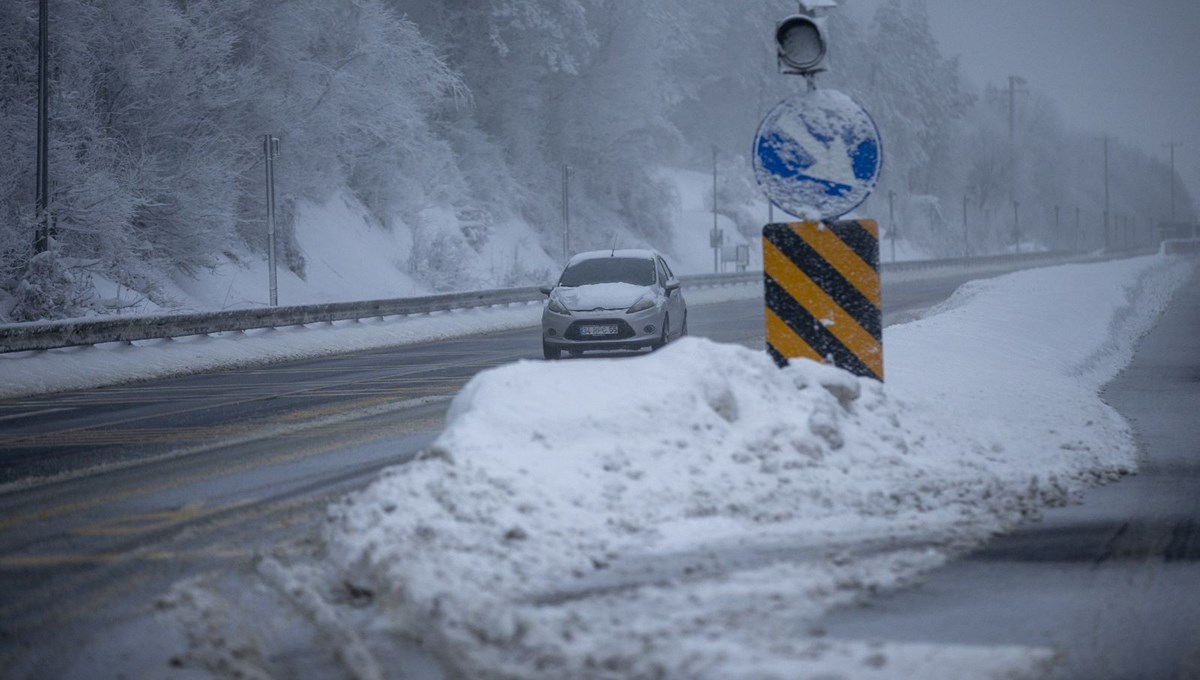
x: 42, y: 335
x: 1181, y: 246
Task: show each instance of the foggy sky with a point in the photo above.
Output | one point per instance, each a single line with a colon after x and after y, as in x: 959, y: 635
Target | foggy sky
x: 1121, y: 68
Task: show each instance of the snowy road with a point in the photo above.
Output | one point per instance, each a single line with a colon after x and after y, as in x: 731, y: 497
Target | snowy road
x: 111, y: 495
x: 1113, y: 583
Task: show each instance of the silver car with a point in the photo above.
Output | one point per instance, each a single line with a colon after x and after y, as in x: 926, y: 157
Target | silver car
x: 612, y: 300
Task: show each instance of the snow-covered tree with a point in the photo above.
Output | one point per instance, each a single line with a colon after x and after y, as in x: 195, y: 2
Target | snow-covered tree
x: 447, y: 118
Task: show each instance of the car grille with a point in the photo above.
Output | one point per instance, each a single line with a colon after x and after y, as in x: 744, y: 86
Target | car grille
x: 624, y: 330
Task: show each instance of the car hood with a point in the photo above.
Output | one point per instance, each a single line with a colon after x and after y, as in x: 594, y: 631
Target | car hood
x: 601, y: 296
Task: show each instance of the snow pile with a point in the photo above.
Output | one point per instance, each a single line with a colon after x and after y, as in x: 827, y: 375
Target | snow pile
x: 691, y: 512
x: 548, y: 476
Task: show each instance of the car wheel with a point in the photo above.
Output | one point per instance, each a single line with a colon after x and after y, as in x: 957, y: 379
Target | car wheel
x: 683, y: 331
x: 550, y: 353
x: 666, y: 334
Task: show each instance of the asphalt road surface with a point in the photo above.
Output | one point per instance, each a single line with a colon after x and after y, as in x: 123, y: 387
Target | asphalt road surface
x: 108, y: 496
x: 1112, y: 584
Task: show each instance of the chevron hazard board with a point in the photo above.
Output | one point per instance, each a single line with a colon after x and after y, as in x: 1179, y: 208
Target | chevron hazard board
x: 822, y: 290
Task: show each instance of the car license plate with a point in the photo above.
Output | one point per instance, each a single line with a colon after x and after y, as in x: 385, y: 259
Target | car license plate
x: 598, y: 330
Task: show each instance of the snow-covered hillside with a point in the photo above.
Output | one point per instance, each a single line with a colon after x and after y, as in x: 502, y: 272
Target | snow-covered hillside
x: 434, y: 134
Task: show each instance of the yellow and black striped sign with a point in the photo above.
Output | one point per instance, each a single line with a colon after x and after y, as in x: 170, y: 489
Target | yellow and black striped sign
x: 823, y: 294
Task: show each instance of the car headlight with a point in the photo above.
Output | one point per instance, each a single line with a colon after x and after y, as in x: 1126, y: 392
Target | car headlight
x: 641, y: 305
x: 557, y: 307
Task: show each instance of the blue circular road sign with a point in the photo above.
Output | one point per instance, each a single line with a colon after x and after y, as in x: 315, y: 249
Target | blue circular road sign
x: 818, y: 155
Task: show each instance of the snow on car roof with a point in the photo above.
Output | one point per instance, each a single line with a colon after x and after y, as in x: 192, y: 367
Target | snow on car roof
x: 598, y: 254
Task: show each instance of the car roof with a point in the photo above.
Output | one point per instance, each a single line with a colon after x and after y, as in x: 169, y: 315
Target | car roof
x: 629, y: 253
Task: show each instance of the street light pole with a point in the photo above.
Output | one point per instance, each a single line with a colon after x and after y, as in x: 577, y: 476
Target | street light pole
x: 966, y: 240
x: 270, y: 151
x: 716, y: 244
x: 41, y: 241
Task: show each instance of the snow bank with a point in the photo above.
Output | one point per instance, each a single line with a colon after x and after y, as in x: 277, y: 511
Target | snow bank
x: 690, y: 513
x: 25, y: 373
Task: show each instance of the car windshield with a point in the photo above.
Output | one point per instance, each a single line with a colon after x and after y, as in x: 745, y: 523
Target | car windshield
x: 637, y: 271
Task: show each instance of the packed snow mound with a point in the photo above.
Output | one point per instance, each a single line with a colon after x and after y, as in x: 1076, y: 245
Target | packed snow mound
x: 548, y: 472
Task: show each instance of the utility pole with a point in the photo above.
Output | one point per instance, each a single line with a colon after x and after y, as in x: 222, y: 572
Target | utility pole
x: 1106, y: 214
x: 1017, y: 225
x: 566, y: 212
x: 1172, y: 146
x: 1076, y: 239
x: 1057, y: 226
x: 41, y: 242
x: 1013, y: 90
x: 270, y: 151
x: 966, y: 239
x: 1013, y: 81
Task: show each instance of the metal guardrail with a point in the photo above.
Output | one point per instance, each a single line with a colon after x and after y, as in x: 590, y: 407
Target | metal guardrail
x: 1181, y: 246
x: 49, y: 335
x: 79, y: 332
x: 992, y: 262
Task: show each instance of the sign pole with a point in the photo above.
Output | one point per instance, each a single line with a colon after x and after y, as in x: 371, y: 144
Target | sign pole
x: 892, y: 221
x: 818, y: 155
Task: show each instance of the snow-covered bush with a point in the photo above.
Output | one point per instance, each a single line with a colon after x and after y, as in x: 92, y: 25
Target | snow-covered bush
x: 48, y: 290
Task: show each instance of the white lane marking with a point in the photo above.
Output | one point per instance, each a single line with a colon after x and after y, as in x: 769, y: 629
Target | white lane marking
x: 30, y: 414
x: 259, y: 435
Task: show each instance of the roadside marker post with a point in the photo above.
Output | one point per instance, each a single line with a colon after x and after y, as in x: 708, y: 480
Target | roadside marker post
x: 818, y: 156
x: 823, y: 294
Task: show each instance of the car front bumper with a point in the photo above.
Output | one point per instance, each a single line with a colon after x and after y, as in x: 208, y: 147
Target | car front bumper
x: 634, y: 331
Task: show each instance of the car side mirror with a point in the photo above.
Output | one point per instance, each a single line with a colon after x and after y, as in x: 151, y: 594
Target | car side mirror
x: 546, y: 289
x: 672, y: 286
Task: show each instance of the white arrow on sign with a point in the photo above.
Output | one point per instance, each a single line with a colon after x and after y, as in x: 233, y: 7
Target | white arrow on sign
x: 818, y: 155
